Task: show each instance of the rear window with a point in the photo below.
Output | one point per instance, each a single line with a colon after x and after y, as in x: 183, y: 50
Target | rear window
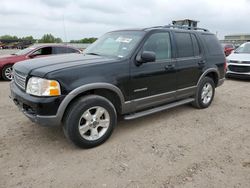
x: 212, y: 44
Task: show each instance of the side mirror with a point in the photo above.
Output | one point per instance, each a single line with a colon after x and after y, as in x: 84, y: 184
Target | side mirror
x: 146, y: 56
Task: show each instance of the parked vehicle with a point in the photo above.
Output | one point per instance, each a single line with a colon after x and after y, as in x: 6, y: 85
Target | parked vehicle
x: 238, y: 63
x: 35, y: 51
x: 228, y: 48
x: 127, y: 73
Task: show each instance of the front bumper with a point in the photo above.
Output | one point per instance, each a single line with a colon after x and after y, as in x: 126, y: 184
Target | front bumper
x: 230, y: 74
x: 41, y: 110
x: 238, y: 70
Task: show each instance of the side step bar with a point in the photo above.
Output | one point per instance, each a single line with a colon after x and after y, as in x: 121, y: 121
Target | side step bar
x: 157, y: 109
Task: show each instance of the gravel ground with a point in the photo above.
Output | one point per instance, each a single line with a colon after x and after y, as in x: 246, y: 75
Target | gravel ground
x: 181, y: 147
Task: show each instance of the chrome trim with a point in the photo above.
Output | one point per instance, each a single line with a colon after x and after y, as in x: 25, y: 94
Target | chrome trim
x: 154, y: 96
x: 239, y: 64
x: 192, y: 87
x: 20, y: 79
x: 141, y: 89
x: 243, y: 73
x: 161, y: 94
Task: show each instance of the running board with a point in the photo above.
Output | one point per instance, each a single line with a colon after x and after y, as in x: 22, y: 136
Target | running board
x: 157, y: 109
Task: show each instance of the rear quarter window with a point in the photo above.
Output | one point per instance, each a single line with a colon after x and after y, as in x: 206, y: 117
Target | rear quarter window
x: 212, y: 44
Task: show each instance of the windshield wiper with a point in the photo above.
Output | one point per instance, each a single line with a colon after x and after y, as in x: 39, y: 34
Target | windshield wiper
x: 93, y: 54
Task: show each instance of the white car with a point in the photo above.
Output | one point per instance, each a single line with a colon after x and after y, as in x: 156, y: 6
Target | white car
x: 238, y: 62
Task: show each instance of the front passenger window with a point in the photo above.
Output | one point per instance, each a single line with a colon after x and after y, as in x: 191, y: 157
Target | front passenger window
x: 43, y: 51
x: 159, y: 43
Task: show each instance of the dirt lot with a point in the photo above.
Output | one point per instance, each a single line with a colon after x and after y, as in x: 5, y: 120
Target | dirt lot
x: 181, y: 147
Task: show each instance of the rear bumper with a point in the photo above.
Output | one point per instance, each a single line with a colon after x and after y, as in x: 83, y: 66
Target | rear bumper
x: 220, y: 82
x: 35, y: 108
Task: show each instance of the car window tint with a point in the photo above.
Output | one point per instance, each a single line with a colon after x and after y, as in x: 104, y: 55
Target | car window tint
x: 43, y: 51
x: 196, y: 46
x: 64, y: 50
x: 159, y: 43
x: 212, y: 44
x: 184, y: 45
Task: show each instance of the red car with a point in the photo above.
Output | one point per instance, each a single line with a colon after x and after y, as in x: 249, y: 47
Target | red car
x: 228, y: 48
x: 35, y: 51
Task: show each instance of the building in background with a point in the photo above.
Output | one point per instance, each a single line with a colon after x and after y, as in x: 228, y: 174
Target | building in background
x: 236, y: 39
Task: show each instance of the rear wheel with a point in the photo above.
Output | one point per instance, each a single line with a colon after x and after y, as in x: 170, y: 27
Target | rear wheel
x: 7, y: 73
x: 90, y: 121
x: 205, y: 93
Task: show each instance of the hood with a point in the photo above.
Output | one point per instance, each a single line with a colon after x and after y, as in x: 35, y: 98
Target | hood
x: 239, y: 57
x: 41, y: 66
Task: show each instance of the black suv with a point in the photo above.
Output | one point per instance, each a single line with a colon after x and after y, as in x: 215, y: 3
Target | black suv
x: 126, y: 73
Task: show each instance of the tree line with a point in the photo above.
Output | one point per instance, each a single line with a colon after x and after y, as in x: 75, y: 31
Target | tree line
x: 46, y: 38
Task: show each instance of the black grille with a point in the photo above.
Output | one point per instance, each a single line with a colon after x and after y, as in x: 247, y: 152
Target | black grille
x: 236, y: 68
x: 20, y: 79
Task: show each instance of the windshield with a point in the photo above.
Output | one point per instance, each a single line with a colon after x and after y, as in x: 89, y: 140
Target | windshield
x: 244, y: 48
x: 25, y: 51
x: 115, y: 44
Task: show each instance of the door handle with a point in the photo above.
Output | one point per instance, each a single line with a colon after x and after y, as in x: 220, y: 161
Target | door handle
x: 170, y: 67
x: 202, y: 62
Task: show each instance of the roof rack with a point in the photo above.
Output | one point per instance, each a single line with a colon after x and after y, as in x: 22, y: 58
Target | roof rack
x: 180, y: 27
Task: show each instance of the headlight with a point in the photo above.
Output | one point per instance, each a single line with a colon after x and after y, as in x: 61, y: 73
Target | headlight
x: 42, y: 87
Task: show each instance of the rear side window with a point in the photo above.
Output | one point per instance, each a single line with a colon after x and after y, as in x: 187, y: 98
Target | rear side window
x: 184, y: 45
x: 212, y: 44
x: 64, y: 50
x: 43, y: 51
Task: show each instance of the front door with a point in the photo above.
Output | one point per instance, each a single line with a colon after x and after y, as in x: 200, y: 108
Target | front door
x: 154, y: 83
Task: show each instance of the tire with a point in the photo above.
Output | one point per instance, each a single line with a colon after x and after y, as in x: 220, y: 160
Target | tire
x: 7, y: 73
x: 205, y: 93
x: 84, y: 126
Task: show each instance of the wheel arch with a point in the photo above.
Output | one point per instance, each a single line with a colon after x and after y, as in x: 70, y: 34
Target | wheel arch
x: 212, y: 73
x: 109, y: 91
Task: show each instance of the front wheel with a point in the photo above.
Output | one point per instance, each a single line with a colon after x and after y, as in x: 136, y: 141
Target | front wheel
x: 90, y: 121
x: 7, y: 73
x: 205, y: 93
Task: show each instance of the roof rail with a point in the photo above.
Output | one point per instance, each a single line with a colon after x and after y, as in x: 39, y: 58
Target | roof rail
x: 184, y: 27
x: 180, y: 27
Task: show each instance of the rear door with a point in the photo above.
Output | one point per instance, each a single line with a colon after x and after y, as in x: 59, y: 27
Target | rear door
x: 189, y: 63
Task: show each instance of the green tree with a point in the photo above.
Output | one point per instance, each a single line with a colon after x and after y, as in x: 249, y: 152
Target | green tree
x: 9, y: 37
x: 49, y: 38
x: 84, y: 40
x: 28, y: 38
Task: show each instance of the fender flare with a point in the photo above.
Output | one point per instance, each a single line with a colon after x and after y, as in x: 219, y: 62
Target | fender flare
x: 100, y: 85
x: 210, y: 70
